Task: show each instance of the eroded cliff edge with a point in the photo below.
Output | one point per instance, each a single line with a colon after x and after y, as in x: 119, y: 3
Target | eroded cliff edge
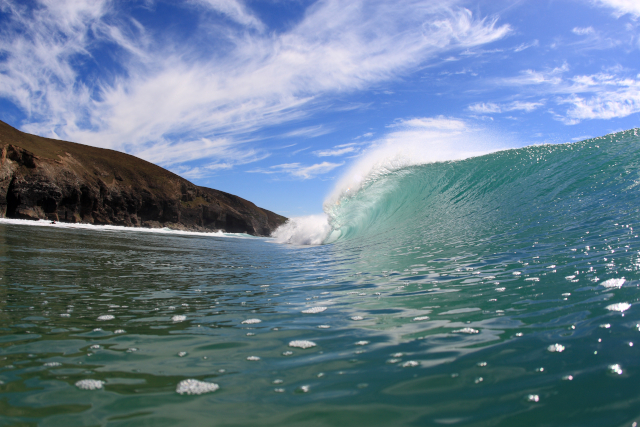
x: 43, y: 178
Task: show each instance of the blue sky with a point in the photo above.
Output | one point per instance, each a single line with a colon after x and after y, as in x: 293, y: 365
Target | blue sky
x: 278, y: 100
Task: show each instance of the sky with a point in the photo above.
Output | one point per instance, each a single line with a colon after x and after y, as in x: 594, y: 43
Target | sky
x: 277, y: 100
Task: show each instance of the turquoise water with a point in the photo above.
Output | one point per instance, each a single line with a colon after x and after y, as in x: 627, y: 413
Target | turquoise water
x: 500, y: 290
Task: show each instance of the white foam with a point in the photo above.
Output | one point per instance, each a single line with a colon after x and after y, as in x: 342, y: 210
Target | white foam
x: 192, y: 386
x: 106, y: 317
x: 178, y: 318
x: 253, y: 358
x: 356, y: 318
x: 90, y: 384
x: 303, y: 230
x: 119, y: 228
x: 362, y: 343
x: 314, y: 310
x: 420, y: 318
x: 466, y: 331
x: 410, y: 364
x: 302, y: 344
x: 555, y: 348
x: 251, y: 321
x: 613, y: 283
x: 621, y: 306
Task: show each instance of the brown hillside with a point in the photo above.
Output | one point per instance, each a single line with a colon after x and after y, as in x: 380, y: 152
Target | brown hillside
x: 65, y: 181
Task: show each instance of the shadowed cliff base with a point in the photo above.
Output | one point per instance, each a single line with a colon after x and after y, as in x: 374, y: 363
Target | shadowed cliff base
x: 42, y: 178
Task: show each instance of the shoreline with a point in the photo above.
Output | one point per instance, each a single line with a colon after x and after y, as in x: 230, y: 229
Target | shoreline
x: 116, y: 228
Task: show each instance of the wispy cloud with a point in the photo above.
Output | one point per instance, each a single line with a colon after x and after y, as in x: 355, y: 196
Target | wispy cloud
x: 491, y: 108
x: 621, y: 7
x: 308, y: 132
x: 160, y: 99
x: 297, y: 170
x: 583, y: 31
x: 339, y: 150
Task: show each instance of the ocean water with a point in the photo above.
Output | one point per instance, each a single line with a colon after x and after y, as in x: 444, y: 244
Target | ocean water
x: 500, y: 290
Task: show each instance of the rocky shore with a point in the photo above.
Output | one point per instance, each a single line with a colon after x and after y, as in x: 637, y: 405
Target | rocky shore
x: 43, y: 178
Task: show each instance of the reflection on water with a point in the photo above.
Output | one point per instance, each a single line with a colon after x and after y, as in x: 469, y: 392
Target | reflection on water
x: 102, y: 327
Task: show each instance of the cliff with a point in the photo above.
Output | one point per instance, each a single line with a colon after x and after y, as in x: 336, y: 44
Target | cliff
x: 43, y: 178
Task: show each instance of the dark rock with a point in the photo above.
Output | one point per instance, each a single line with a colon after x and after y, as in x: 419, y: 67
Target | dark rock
x: 42, y: 178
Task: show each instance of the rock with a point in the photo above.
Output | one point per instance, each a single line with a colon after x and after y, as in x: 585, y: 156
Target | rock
x: 43, y: 178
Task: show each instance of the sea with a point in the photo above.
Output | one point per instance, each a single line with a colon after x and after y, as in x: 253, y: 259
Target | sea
x: 496, y: 290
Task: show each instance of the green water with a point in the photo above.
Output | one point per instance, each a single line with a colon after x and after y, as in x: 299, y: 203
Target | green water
x: 444, y: 304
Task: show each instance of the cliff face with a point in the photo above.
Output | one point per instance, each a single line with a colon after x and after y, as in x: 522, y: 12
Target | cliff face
x: 42, y: 178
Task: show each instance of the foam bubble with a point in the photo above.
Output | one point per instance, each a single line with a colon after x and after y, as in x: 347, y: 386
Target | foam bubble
x: 466, y: 331
x: 356, y: 318
x: 106, y: 317
x: 324, y: 326
x: 615, y: 369
x: 302, y: 344
x: 90, y: 384
x: 192, y: 386
x: 251, y: 321
x: 621, y: 306
x: 314, y: 310
x: 420, y: 318
x: 253, y: 358
x: 178, y: 318
x: 410, y: 364
x: 555, y: 348
x: 52, y: 364
x: 613, y: 283
x: 362, y: 343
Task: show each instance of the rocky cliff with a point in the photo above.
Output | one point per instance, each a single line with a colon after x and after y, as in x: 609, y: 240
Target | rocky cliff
x: 43, y: 178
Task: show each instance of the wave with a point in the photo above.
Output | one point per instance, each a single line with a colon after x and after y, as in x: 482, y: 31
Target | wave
x: 404, y: 195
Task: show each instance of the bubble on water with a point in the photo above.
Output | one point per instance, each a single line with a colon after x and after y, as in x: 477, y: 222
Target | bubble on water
x: 568, y: 378
x: 303, y: 389
x: 192, y: 386
x: 519, y: 334
x: 420, y: 318
x: 570, y: 277
x: 106, y: 317
x: 410, y: 364
x: 251, y: 321
x: 65, y: 315
x: 324, y: 326
x: 362, y: 342
x: 89, y: 384
x: 397, y: 355
x: 501, y: 289
x: 119, y: 331
x: 517, y: 273
x: 615, y: 369
x: 482, y: 364
x: 277, y: 381
x: 621, y: 306
x: 314, y: 310
x: 132, y: 350
x: 182, y: 353
x: 466, y: 331
x: 478, y: 380
x: 95, y: 346
x: 555, y: 348
x: 613, y: 283
x: 356, y: 318
x: 393, y: 360
x: 302, y: 344
x: 287, y: 353
x: 278, y: 390
x: 178, y: 318
x: 533, y: 398
x: 52, y: 364
x: 253, y: 358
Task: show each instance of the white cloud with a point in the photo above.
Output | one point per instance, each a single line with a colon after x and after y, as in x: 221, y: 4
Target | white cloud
x: 160, y: 94
x: 583, y: 31
x: 298, y: 170
x: 308, y: 132
x: 338, y: 150
x: 485, y: 108
x: 490, y: 107
x: 234, y: 10
x: 621, y: 7
x: 606, y: 104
